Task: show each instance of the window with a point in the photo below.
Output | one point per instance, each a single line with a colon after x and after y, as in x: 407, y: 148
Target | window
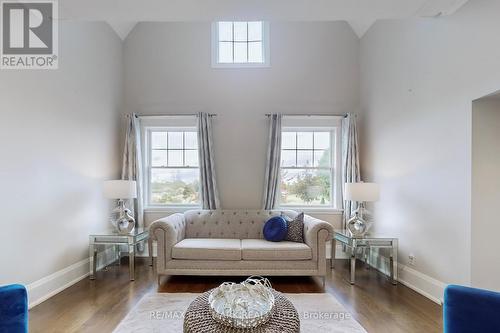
x: 308, y: 167
x: 240, y: 44
x: 173, y: 175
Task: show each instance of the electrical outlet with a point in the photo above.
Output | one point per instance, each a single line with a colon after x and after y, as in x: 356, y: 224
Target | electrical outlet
x: 412, y: 260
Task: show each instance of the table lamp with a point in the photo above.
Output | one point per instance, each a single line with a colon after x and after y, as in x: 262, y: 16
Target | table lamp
x: 359, y: 222
x: 121, y: 217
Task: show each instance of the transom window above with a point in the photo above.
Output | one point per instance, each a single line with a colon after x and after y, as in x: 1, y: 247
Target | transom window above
x: 173, y: 169
x: 307, y: 168
x: 240, y: 44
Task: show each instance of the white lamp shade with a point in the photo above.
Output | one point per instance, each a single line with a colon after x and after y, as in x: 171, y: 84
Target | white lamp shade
x: 120, y: 189
x: 362, y: 192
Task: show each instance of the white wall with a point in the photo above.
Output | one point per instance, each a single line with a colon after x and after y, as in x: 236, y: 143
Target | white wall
x: 59, y: 133
x: 485, y: 271
x: 314, y: 69
x: 419, y: 78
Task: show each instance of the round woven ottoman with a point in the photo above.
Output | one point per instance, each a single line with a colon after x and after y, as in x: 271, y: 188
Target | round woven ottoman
x: 198, y: 319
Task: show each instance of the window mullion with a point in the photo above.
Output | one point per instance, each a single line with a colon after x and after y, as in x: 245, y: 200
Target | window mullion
x: 174, y: 167
x: 313, y: 150
x: 184, y: 148
x: 301, y: 167
x: 149, y: 142
x: 296, y: 148
x: 232, y: 44
x: 333, y: 163
x: 167, y: 148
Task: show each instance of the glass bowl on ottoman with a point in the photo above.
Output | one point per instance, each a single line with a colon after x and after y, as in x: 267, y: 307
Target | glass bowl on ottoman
x: 250, y: 306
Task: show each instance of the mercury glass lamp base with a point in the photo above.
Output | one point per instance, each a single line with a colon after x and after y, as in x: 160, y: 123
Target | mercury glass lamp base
x: 357, y: 226
x: 122, y: 219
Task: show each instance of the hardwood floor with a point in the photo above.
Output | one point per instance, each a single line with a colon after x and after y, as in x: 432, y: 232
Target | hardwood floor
x: 99, y: 305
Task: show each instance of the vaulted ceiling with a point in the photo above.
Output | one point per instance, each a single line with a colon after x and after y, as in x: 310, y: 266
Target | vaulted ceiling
x: 122, y: 15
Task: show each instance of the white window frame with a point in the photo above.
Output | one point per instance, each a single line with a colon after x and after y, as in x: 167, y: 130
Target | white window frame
x: 335, y: 130
x: 147, y: 131
x: 265, y: 49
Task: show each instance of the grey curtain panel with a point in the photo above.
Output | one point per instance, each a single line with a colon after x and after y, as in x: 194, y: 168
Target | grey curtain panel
x: 272, y: 176
x: 350, y: 159
x: 132, y: 165
x: 208, y: 186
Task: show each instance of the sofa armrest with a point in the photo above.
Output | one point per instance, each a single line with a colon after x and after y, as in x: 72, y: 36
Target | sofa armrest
x: 167, y: 231
x: 13, y: 308
x: 470, y: 310
x: 316, y: 233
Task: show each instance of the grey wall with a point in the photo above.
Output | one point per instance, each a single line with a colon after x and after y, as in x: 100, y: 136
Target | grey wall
x: 59, y: 133
x: 419, y: 78
x: 485, y: 271
x: 314, y: 69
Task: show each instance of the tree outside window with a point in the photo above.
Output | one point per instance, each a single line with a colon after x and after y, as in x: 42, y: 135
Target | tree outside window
x: 306, y: 168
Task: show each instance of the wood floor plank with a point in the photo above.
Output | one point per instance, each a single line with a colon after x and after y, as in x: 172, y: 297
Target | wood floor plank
x: 99, y: 305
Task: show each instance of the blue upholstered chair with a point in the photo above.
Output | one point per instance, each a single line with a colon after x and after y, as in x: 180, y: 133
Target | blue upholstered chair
x: 471, y: 310
x: 13, y: 309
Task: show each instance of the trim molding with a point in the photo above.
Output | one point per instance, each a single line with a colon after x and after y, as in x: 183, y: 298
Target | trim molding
x: 48, y: 286
x: 423, y: 284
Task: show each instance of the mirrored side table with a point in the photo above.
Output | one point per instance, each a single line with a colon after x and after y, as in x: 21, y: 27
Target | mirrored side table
x: 366, y: 243
x: 131, y: 240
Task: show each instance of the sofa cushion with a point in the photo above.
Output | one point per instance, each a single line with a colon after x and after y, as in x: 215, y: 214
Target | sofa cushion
x: 260, y: 249
x: 207, y: 249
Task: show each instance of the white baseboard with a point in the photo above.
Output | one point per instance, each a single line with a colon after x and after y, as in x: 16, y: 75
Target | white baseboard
x: 421, y: 283
x: 53, y: 284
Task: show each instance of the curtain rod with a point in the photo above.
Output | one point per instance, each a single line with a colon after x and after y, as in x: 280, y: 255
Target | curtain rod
x: 310, y: 115
x: 173, y: 115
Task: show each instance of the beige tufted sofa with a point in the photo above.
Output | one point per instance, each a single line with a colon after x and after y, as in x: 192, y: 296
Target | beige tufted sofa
x: 230, y: 242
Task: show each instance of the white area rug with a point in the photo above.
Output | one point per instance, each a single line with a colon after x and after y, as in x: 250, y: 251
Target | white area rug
x: 163, y: 312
